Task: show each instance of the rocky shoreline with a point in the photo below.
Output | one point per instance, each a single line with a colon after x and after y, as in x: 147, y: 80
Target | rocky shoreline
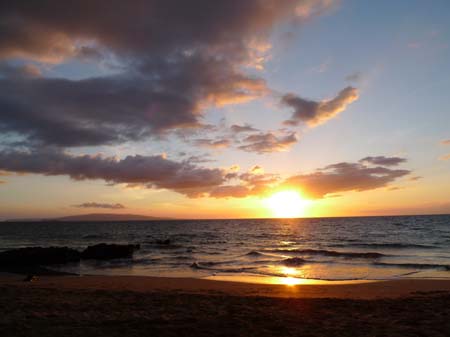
x: 36, y: 260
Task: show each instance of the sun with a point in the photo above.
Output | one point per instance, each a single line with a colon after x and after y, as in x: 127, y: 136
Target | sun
x: 287, y: 204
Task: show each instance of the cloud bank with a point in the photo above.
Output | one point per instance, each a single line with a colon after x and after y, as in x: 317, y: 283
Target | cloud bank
x: 344, y: 177
x: 150, y: 171
x: 196, y: 181
x: 174, y: 60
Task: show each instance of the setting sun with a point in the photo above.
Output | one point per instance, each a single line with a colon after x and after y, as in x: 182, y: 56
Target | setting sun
x: 287, y: 204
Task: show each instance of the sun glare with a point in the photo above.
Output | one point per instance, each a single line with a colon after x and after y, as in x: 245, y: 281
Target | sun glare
x: 287, y: 204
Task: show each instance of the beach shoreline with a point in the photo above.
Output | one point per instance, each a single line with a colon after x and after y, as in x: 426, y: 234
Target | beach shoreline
x: 312, y: 289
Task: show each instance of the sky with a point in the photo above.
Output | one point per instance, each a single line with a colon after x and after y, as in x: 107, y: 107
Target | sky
x: 211, y: 109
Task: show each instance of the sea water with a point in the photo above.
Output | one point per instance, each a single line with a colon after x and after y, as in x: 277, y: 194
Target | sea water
x: 353, y: 248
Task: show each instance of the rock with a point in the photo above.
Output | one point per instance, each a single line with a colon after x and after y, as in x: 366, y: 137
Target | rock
x: 105, y: 251
x: 32, y: 256
x: 165, y: 242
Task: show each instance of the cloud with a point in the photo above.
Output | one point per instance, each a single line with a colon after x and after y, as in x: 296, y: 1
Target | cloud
x: 268, y: 142
x: 323, y: 67
x: 111, y: 109
x: 175, y: 62
x: 99, y: 205
x: 415, y: 178
x: 230, y: 191
x: 150, y: 171
x: 194, y: 181
x: 242, y: 128
x: 10, y: 71
x: 51, y: 31
x: 446, y: 156
x: 257, y: 169
x: 355, y: 77
x: 326, y: 182
x: 343, y: 177
x: 317, y: 112
x: 383, y: 161
x: 252, y: 183
x: 213, y: 144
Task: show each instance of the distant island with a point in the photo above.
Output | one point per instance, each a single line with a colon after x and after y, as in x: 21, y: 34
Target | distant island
x: 97, y: 217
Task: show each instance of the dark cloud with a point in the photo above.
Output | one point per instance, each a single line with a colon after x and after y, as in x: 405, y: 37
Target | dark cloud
x: 177, y: 59
x: 89, y: 112
x: 109, y: 110
x: 99, y: 205
x: 268, y: 142
x: 89, y: 54
x: 317, y: 112
x: 150, y: 171
x: 383, y: 161
x: 10, y: 71
x: 242, y: 128
x: 343, y: 177
x: 415, y: 178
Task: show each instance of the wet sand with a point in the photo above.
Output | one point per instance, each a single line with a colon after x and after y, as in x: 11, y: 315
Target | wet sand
x: 149, y: 306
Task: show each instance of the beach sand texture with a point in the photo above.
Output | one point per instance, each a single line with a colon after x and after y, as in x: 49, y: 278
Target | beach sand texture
x: 143, y: 306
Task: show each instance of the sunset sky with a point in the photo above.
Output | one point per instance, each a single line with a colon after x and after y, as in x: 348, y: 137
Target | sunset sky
x: 207, y: 109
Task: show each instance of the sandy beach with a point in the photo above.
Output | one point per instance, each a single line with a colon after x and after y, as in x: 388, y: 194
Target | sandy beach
x: 143, y: 306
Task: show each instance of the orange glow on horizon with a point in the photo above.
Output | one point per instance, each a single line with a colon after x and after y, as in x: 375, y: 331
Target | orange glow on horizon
x: 287, y: 204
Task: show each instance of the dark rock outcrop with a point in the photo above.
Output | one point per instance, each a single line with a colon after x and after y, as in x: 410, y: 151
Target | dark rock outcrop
x: 105, y: 251
x: 33, y: 256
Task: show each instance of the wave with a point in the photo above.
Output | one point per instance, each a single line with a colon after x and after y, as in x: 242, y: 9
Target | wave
x: 205, y: 266
x: 414, y: 265
x: 386, y: 245
x: 94, y: 236
x: 293, y: 261
x: 255, y: 253
x: 163, y: 244
x: 213, y: 263
x: 332, y: 253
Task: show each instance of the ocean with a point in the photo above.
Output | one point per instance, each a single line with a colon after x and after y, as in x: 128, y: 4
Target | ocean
x: 332, y: 249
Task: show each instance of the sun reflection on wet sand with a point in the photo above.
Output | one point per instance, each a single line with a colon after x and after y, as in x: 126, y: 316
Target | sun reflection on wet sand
x: 291, y: 281
x: 275, y: 280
